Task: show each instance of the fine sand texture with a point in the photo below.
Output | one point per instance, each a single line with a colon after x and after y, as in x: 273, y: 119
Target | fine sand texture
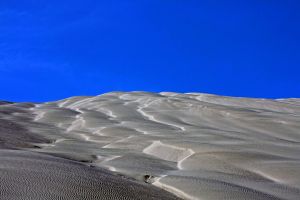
x: 139, y: 145
x: 29, y: 175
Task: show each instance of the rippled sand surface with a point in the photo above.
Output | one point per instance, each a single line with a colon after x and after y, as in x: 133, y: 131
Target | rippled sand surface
x: 29, y: 172
x: 196, y: 146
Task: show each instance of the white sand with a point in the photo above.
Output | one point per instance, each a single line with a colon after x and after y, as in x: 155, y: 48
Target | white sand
x: 197, y: 146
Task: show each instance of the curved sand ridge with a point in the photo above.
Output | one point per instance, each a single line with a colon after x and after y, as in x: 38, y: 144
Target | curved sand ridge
x: 197, y: 146
x: 56, y: 174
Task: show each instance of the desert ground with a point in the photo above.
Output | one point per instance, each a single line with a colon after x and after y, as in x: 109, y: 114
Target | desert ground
x: 140, y: 145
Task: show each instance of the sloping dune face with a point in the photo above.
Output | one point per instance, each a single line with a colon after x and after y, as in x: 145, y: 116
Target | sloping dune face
x: 29, y: 175
x: 196, y: 146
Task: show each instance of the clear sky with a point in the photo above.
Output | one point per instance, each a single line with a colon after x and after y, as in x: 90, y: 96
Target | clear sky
x: 52, y: 49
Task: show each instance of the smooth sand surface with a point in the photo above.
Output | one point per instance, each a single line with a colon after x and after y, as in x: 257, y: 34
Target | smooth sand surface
x: 196, y: 146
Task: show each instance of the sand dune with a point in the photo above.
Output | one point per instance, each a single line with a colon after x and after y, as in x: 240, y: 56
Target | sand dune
x: 28, y: 175
x: 196, y: 146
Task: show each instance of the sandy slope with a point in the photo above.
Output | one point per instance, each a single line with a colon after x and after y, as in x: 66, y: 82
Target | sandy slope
x: 197, y: 146
x: 29, y: 175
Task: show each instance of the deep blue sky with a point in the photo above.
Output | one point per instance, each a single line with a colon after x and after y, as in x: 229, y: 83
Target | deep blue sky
x: 55, y: 49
